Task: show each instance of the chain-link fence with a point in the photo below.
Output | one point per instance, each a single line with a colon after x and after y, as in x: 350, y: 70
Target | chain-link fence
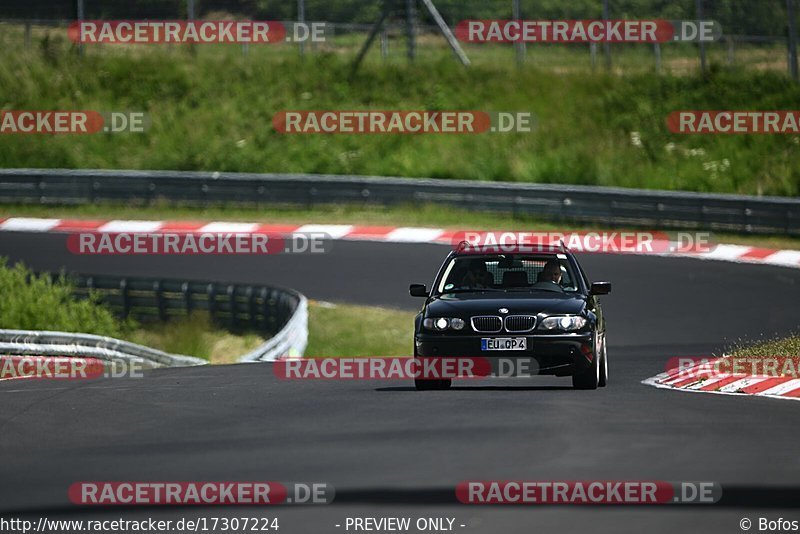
x: 755, y: 32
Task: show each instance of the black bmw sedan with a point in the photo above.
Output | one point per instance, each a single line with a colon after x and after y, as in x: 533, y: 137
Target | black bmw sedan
x: 528, y: 312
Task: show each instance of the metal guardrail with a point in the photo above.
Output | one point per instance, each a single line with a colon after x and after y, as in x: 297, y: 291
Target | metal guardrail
x: 266, y: 309
x: 589, y: 204
x: 47, y: 343
x: 280, y: 314
x: 290, y: 342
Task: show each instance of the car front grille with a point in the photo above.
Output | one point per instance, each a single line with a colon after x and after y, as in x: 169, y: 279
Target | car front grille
x: 486, y: 323
x: 520, y: 323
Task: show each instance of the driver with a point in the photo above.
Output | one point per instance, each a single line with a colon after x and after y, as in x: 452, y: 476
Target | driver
x: 477, y: 276
x: 550, y: 273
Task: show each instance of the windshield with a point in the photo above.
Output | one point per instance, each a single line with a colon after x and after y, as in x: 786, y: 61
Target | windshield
x: 541, y: 272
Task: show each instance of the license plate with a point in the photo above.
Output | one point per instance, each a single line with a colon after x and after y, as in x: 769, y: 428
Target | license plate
x: 504, y: 343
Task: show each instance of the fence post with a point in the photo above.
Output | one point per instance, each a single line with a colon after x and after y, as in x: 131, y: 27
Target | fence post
x: 731, y: 56
x: 301, y: 18
x: 698, y: 4
x: 606, y: 44
x: 792, y: 39
x: 411, y: 30
x: 190, y: 16
x: 27, y: 35
x: 657, y: 50
x: 519, y: 46
x: 80, y: 15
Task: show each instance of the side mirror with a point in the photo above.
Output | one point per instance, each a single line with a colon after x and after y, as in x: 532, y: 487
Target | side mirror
x: 600, y: 288
x: 418, y: 290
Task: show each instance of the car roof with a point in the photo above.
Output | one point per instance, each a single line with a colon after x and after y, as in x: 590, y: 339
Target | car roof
x: 465, y: 249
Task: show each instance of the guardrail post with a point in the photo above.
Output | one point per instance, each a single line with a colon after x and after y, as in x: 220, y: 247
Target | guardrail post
x: 231, y: 291
x: 187, y: 297
x: 251, y: 305
x: 126, y: 304
x: 211, y: 291
x: 267, y: 309
x: 264, y: 296
x: 160, y: 303
x: 40, y: 187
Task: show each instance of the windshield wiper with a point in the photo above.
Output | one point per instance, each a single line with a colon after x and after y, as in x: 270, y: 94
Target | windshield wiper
x: 519, y: 289
x: 468, y: 290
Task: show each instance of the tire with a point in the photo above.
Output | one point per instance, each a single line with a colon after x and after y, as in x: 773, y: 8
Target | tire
x: 603, y: 366
x: 589, y: 378
x: 428, y: 385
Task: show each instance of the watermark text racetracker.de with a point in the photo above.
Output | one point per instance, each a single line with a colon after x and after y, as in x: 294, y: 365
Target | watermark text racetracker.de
x: 402, y: 122
x: 55, y: 122
x: 67, y: 368
x: 619, y: 242
x: 587, y: 31
x: 195, y: 32
x: 587, y: 492
x: 201, y: 493
x: 405, y: 368
x: 197, y: 243
x: 732, y: 122
x: 772, y: 366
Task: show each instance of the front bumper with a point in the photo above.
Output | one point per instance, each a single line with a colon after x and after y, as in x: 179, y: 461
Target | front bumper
x: 559, y: 354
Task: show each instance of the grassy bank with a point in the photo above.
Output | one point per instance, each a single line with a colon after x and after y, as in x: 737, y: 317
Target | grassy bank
x: 348, y: 330
x: 213, y: 111
x: 781, y: 347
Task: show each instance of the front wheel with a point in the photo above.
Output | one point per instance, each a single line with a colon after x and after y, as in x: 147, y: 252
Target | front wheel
x: 588, y: 378
x: 603, y: 366
x: 428, y: 385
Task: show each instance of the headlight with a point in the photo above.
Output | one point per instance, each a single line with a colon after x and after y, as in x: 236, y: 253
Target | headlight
x: 564, y: 322
x: 443, y: 323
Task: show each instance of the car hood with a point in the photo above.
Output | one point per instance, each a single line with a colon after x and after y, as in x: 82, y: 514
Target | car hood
x: 468, y: 304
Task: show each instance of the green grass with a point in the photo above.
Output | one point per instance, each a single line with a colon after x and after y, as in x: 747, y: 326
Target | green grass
x: 428, y: 215
x: 213, y: 111
x: 773, y: 357
x: 782, y: 347
x: 348, y: 330
x: 196, y: 335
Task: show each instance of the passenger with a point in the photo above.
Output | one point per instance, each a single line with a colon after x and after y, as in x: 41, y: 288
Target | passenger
x: 478, y: 276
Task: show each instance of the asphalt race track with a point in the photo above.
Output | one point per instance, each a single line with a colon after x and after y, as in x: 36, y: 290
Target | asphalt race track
x: 390, y: 450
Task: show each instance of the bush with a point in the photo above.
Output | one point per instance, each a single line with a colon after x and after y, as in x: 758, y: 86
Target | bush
x: 31, y: 302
